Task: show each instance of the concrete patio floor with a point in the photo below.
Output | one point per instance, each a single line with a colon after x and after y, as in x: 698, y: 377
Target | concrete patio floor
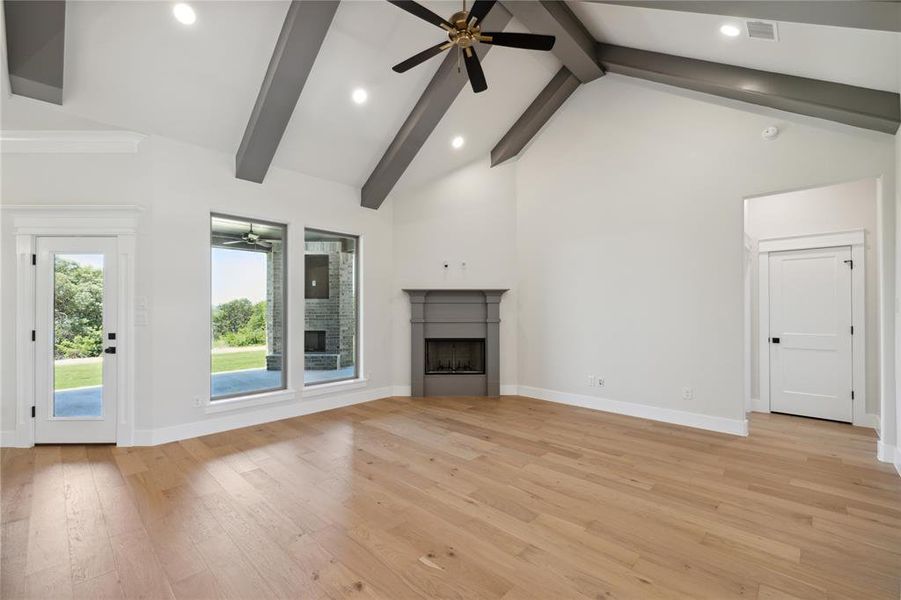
x: 86, y: 401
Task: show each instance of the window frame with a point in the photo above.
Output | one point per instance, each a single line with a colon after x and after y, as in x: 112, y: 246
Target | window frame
x: 284, y: 387
x: 358, y: 316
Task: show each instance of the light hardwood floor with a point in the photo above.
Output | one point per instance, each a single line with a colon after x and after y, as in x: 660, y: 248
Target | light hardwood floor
x: 458, y: 498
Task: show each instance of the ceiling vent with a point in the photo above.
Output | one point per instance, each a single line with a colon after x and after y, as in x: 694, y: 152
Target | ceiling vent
x: 762, y: 30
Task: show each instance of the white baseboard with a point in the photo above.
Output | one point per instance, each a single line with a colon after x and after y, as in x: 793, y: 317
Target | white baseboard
x: 402, y: 390
x: 759, y: 406
x: 889, y: 454
x: 9, y: 438
x: 643, y: 411
x: 869, y: 420
x: 509, y: 390
x: 173, y: 433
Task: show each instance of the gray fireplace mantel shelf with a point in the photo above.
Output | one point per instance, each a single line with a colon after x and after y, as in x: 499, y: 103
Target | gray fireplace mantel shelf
x: 455, y: 314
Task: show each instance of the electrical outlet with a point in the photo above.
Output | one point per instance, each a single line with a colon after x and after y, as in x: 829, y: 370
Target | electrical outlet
x: 591, y: 381
x: 197, y: 402
x: 688, y: 393
x: 601, y: 382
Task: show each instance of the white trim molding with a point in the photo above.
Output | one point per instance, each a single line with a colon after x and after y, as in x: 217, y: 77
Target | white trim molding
x: 889, y: 454
x: 249, y: 401
x: 70, y: 142
x: 853, y: 237
x: 297, y: 408
x: 30, y: 222
x: 642, y: 411
x: 856, y: 240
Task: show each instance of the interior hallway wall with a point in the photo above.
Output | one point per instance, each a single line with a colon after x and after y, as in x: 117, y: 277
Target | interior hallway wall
x: 840, y: 207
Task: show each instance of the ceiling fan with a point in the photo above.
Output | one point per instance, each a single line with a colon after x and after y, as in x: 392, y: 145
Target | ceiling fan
x: 251, y: 239
x: 464, y: 31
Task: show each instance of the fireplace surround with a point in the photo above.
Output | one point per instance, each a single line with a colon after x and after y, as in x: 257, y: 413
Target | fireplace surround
x: 455, y: 342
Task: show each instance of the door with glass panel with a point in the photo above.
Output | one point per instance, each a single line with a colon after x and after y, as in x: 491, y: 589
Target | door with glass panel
x: 75, y: 340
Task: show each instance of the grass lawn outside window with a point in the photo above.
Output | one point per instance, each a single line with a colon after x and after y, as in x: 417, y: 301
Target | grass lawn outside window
x: 83, y: 374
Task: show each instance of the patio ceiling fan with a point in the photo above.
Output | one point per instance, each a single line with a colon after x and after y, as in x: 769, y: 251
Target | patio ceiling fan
x: 463, y: 32
x: 251, y: 239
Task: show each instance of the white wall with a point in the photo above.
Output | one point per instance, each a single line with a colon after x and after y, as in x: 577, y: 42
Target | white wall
x: 629, y: 215
x: 619, y: 232
x: 179, y: 185
x: 840, y: 207
x: 648, y: 193
x: 628, y: 233
x: 468, y: 216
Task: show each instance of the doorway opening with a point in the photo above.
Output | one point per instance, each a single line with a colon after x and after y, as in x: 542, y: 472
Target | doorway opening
x: 812, y: 287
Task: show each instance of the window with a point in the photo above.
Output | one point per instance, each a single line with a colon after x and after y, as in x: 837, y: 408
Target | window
x: 331, y: 315
x: 248, y: 350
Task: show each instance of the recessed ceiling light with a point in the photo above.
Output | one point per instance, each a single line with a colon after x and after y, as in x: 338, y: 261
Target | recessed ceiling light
x: 457, y: 142
x: 360, y: 96
x: 184, y: 13
x: 730, y: 30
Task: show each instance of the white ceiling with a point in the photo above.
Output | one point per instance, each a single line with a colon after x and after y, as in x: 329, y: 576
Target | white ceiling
x: 132, y: 66
x: 853, y: 56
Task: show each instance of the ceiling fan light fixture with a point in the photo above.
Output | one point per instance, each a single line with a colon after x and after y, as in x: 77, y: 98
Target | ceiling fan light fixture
x: 360, y: 96
x: 457, y: 142
x: 184, y: 14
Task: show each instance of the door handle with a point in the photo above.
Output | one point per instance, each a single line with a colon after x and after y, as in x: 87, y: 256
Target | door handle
x: 110, y: 350
x: 774, y: 340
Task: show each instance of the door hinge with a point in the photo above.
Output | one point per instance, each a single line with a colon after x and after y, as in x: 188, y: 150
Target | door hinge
x: 32, y: 412
x: 852, y: 394
x: 852, y: 329
x: 34, y: 259
x: 850, y: 263
x: 33, y: 335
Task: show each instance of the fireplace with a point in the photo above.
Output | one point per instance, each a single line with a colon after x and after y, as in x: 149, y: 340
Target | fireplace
x: 314, y: 341
x: 455, y: 349
x: 454, y: 357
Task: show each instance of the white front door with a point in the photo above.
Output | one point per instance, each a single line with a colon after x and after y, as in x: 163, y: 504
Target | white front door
x: 75, y: 340
x: 810, y: 333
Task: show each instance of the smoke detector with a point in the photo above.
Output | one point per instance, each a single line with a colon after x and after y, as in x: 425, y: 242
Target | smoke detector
x: 762, y: 30
x: 770, y: 133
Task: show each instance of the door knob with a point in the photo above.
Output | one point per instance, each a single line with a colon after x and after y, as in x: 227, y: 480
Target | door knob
x: 774, y: 340
x: 110, y: 350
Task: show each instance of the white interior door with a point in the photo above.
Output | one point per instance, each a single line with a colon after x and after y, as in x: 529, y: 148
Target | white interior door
x: 810, y: 333
x: 75, y: 340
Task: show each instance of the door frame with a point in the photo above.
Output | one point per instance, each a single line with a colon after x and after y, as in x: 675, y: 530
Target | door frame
x: 856, y: 240
x: 113, y: 221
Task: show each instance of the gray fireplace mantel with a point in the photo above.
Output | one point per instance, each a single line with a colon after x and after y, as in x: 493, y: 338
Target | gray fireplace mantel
x: 455, y: 314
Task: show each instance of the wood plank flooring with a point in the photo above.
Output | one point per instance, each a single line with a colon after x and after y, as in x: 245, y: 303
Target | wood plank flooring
x: 507, y: 498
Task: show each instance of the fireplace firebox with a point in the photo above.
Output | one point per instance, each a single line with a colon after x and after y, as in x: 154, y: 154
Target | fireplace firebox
x: 454, y: 357
x: 314, y: 341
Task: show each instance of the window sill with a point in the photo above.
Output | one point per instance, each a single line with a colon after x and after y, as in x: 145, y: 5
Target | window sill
x: 318, y: 389
x: 239, y: 402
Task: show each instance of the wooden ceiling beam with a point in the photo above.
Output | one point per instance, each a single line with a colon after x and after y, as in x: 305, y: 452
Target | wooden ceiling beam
x: 301, y: 37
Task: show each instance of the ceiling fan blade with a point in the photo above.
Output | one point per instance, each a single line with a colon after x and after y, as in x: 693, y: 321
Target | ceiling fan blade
x: 420, y: 58
x: 474, y: 70
x: 479, y: 9
x: 233, y: 242
x: 527, y: 41
x: 263, y: 244
x: 416, y: 9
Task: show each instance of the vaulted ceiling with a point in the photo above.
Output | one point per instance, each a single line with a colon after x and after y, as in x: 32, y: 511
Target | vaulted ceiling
x: 132, y: 66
